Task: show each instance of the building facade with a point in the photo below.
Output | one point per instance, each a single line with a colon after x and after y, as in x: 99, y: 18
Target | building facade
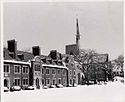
x: 16, y: 73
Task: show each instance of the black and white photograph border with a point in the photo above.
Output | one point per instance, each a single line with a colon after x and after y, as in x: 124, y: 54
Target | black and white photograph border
x: 62, y: 51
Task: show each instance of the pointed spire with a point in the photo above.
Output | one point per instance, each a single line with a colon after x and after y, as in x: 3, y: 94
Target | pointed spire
x: 77, y: 26
x: 77, y: 31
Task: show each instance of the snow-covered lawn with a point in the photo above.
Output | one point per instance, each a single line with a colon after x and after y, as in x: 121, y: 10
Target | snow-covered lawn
x: 112, y: 92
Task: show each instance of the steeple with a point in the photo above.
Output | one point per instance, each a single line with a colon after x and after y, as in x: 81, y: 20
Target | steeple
x: 77, y: 34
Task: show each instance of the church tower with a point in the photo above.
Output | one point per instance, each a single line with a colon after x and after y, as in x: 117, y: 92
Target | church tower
x: 77, y: 36
x: 74, y: 49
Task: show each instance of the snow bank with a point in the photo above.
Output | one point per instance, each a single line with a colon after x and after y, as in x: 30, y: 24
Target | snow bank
x: 112, y: 92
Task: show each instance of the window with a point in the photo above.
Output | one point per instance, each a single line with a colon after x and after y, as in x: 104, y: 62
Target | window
x: 74, y: 81
x: 74, y: 72
x: 47, y: 71
x: 17, y: 82
x: 47, y: 81
x: 54, y: 82
x: 25, y: 69
x: 70, y: 72
x: 53, y: 71
x: 64, y: 81
x: 70, y: 81
x: 43, y: 71
x: 59, y: 81
x: 72, y: 64
x: 25, y: 81
x: 17, y: 68
x: 43, y: 81
x: 6, y: 68
x: 59, y: 72
x: 64, y: 72
x: 37, y: 67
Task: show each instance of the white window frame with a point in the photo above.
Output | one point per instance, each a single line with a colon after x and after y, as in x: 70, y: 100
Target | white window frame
x: 46, y: 81
x: 43, y: 71
x: 8, y: 69
x: 63, y: 72
x: 60, y: 81
x: 36, y: 67
x: 54, y: 70
x: 64, y: 81
x: 74, y: 72
x: 49, y: 71
x: 19, y: 69
x: 27, y: 82
x: 52, y: 81
x: 25, y: 67
x: 70, y: 72
x: 58, y: 71
x: 42, y: 81
x: 70, y: 81
x: 19, y: 81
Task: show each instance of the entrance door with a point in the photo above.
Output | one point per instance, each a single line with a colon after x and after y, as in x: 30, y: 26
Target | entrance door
x: 5, y: 83
x: 37, y: 84
x: 79, y: 78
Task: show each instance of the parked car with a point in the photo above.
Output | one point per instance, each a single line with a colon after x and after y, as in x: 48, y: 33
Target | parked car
x: 45, y: 87
x: 52, y: 86
x: 29, y: 88
x: 6, y: 89
x: 59, y: 86
x: 15, y: 88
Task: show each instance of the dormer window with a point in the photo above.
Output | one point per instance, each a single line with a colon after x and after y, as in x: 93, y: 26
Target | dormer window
x: 21, y: 56
x: 12, y: 54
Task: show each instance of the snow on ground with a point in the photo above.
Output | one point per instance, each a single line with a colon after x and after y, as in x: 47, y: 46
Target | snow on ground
x: 112, y: 92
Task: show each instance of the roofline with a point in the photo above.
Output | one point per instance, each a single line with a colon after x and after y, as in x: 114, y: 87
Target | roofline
x: 54, y: 66
x: 19, y: 62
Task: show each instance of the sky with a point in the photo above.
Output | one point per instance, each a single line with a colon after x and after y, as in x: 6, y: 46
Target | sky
x: 52, y: 25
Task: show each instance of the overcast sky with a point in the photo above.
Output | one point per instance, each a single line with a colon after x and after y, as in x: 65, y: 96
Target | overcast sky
x: 53, y: 25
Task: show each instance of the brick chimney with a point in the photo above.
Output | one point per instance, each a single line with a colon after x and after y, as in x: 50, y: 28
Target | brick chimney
x: 12, y: 47
x: 53, y: 54
x: 36, y: 50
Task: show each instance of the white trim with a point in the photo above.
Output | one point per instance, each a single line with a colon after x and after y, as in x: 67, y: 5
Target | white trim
x: 55, y: 66
x: 60, y: 81
x: 74, y: 72
x: 17, y: 62
x: 19, y: 69
x: 64, y: 81
x: 19, y: 81
x: 24, y: 66
x: 55, y: 81
x: 27, y: 82
x: 54, y: 70
x: 49, y: 71
x: 42, y: 81
x: 8, y: 79
x: 46, y: 81
x: 9, y: 68
x: 70, y: 72
x: 63, y: 72
x: 59, y: 73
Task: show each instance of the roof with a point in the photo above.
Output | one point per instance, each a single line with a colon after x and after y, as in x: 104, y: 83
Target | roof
x: 71, y: 45
x: 54, y: 66
x: 100, y: 58
x: 27, y: 55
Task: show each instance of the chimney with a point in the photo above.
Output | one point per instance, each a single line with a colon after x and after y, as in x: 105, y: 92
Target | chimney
x: 12, y: 47
x: 53, y: 54
x: 36, y: 50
